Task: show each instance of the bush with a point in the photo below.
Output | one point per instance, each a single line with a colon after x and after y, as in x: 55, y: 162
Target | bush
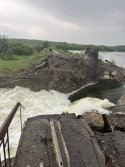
x: 20, y: 49
x: 4, y: 44
x: 39, y: 48
x: 8, y: 56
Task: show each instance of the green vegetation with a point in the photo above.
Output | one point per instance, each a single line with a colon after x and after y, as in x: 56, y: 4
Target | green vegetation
x: 16, y: 55
x: 19, y: 63
x: 21, y: 49
x: 67, y: 46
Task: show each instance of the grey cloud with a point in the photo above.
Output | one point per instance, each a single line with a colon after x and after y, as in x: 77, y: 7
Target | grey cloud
x: 81, y: 10
x: 82, y: 21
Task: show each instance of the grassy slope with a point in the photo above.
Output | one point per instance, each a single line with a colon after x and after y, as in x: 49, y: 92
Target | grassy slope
x: 19, y: 63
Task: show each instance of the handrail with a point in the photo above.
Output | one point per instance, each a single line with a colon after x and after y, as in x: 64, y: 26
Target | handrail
x: 4, y: 131
x: 108, y: 161
x: 6, y: 124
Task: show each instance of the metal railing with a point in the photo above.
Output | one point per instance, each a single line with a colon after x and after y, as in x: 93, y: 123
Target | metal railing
x: 108, y: 161
x: 4, y: 136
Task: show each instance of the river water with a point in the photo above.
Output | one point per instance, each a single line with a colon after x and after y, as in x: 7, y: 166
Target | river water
x: 117, y: 57
x: 50, y: 102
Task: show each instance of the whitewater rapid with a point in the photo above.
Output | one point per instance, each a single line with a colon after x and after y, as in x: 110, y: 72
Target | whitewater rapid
x: 41, y: 103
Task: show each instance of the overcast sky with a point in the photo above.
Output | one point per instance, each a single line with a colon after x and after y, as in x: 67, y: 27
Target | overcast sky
x: 78, y: 21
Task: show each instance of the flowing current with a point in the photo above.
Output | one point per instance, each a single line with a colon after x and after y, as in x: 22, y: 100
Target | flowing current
x: 42, y: 103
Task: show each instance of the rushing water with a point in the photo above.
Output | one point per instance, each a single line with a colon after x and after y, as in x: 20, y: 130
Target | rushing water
x: 42, y: 102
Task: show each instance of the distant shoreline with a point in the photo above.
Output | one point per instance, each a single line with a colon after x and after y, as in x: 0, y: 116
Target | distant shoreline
x: 70, y: 46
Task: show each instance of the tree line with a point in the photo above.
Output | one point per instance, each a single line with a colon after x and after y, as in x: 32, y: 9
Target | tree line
x: 22, y: 47
x: 9, y: 48
x: 39, y: 44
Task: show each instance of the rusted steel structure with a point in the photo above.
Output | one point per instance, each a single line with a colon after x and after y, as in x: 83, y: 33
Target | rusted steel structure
x: 108, y: 161
x: 4, y: 135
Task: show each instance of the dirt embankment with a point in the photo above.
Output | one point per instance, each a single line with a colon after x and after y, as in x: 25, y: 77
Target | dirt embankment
x: 66, y: 74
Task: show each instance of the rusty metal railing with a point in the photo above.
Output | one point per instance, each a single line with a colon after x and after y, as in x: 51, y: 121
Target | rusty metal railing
x: 4, y: 136
x: 108, y: 161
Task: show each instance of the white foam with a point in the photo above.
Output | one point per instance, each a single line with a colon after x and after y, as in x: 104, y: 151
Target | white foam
x: 90, y: 104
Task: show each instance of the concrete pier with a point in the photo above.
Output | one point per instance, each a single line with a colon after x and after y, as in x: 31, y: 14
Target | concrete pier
x: 58, y: 141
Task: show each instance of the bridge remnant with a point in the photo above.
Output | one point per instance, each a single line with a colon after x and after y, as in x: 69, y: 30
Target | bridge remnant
x: 58, y: 141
